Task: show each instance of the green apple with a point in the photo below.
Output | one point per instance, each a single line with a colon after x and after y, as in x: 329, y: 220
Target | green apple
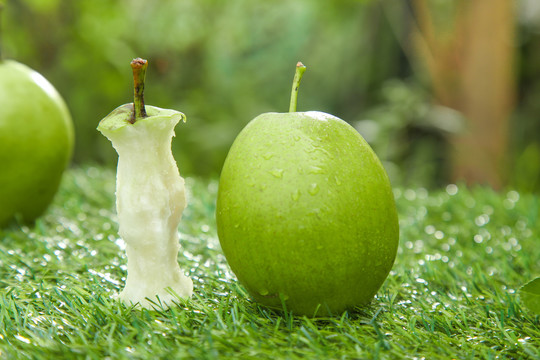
x: 305, y: 212
x: 150, y: 197
x: 36, y: 142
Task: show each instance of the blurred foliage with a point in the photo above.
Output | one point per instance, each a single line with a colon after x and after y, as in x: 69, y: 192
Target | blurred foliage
x: 224, y: 62
x: 409, y: 133
x: 525, y: 131
x: 221, y: 63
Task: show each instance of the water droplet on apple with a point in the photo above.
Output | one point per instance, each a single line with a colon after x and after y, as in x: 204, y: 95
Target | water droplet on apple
x: 316, y: 153
x: 296, y: 137
x: 263, y: 292
x: 316, y: 212
x: 277, y: 173
x: 316, y: 170
x: 313, y: 189
x: 295, y: 195
x: 338, y: 182
x: 268, y: 156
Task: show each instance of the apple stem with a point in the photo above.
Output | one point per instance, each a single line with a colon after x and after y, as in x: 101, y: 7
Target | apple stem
x: 300, y: 69
x: 138, y: 66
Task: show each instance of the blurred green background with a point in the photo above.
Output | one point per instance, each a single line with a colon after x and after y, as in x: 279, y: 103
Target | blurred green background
x: 224, y: 62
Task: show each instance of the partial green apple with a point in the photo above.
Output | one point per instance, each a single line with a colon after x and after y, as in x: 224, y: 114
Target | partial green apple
x: 36, y: 142
x: 305, y: 212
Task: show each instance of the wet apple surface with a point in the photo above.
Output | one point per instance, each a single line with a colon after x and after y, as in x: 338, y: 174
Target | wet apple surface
x: 305, y: 213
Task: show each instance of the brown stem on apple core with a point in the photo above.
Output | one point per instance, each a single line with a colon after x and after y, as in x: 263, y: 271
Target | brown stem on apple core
x: 300, y: 69
x: 138, y: 66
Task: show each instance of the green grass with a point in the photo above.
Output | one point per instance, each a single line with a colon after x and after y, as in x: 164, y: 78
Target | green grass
x: 451, y: 294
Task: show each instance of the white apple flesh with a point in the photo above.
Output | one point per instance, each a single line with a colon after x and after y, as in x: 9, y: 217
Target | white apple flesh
x: 150, y: 199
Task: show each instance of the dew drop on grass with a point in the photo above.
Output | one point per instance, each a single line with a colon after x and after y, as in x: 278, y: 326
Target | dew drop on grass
x: 268, y: 156
x: 104, y: 213
x: 452, y: 189
x: 513, y: 241
x: 482, y: 220
x: 508, y: 204
x: 521, y: 225
x: 409, y: 194
x: 295, y: 195
x: 478, y: 238
x: 422, y: 193
x: 512, y: 196
x: 263, y: 292
x: 120, y: 243
x: 22, y: 339
x: 430, y: 229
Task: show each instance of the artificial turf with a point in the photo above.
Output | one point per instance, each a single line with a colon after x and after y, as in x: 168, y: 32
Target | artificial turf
x: 453, y: 291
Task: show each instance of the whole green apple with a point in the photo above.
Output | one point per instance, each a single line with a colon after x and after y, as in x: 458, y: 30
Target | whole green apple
x: 305, y: 212
x: 36, y: 142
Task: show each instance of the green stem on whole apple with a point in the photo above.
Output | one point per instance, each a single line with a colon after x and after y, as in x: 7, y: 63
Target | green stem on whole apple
x: 300, y: 69
x: 138, y: 66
